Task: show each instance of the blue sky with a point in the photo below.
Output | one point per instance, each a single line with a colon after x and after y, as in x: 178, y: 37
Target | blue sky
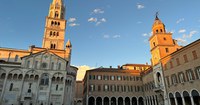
x: 103, y: 32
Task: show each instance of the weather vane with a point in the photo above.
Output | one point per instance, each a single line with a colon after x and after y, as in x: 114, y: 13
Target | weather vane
x: 157, y: 14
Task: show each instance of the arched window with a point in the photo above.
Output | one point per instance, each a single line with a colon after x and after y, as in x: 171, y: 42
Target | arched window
x: 16, y: 58
x: 29, y: 90
x: 57, y: 33
x: 3, y: 75
x: 59, y: 66
x: 56, y: 87
x: 28, y: 64
x: 36, y: 64
x: 52, y: 65
x: 56, y: 14
x: 11, y: 87
x: 58, y: 23
x: 54, y: 33
x: 44, y: 79
x: 54, y: 46
x: 52, y: 23
x: 51, y: 33
x: 51, y: 46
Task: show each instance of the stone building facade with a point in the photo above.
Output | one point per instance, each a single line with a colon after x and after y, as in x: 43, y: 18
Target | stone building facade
x: 171, y: 79
x: 40, y: 75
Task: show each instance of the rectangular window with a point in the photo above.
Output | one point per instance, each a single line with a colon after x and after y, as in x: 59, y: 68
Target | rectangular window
x: 177, y: 61
x: 167, y: 50
x: 189, y: 75
x: 167, y: 79
x: 119, y: 78
x: 28, y: 64
x: 174, y: 79
x: 52, y: 65
x: 99, y: 77
x: 171, y: 64
x: 106, y: 88
x: 36, y: 64
x: 181, y: 77
x: 112, y: 77
x: 198, y: 72
x: 194, y: 53
x: 185, y: 58
x: 90, y: 77
x: 99, y: 87
x: 91, y: 88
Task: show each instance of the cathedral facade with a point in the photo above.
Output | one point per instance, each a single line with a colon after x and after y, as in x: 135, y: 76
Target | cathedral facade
x: 43, y: 75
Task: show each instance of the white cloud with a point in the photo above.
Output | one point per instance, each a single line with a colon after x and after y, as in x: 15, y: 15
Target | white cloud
x: 181, y: 31
x: 106, y: 36
x: 116, y: 36
x: 145, y: 34
x: 140, y: 6
x: 190, y: 34
x: 97, y: 11
x: 92, y: 19
x: 73, y: 24
x: 71, y: 20
x: 181, y: 41
x: 103, y: 20
x: 180, y: 20
x: 82, y: 70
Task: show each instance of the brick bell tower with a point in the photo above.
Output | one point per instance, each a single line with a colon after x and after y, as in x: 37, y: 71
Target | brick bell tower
x: 54, y: 34
x: 161, y: 42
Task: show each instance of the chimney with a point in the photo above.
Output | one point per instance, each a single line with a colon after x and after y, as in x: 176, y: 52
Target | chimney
x: 110, y: 67
x: 147, y: 63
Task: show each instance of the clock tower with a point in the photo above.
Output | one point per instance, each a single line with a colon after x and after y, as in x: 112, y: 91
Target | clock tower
x: 161, y: 42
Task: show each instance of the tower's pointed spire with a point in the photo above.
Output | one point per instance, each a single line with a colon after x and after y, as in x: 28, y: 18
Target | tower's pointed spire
x: 68, y: 44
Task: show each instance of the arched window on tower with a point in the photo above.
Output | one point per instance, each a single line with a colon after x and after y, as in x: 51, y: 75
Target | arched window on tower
x: 51, y: 33
x: 55, y: 23
x: 51, y: 46
x: 52, y: 23
x: 54, y: 33
x: 56, y: 14
x: 58, y: 23
x: 156, y: 31
x: 57, y: 33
